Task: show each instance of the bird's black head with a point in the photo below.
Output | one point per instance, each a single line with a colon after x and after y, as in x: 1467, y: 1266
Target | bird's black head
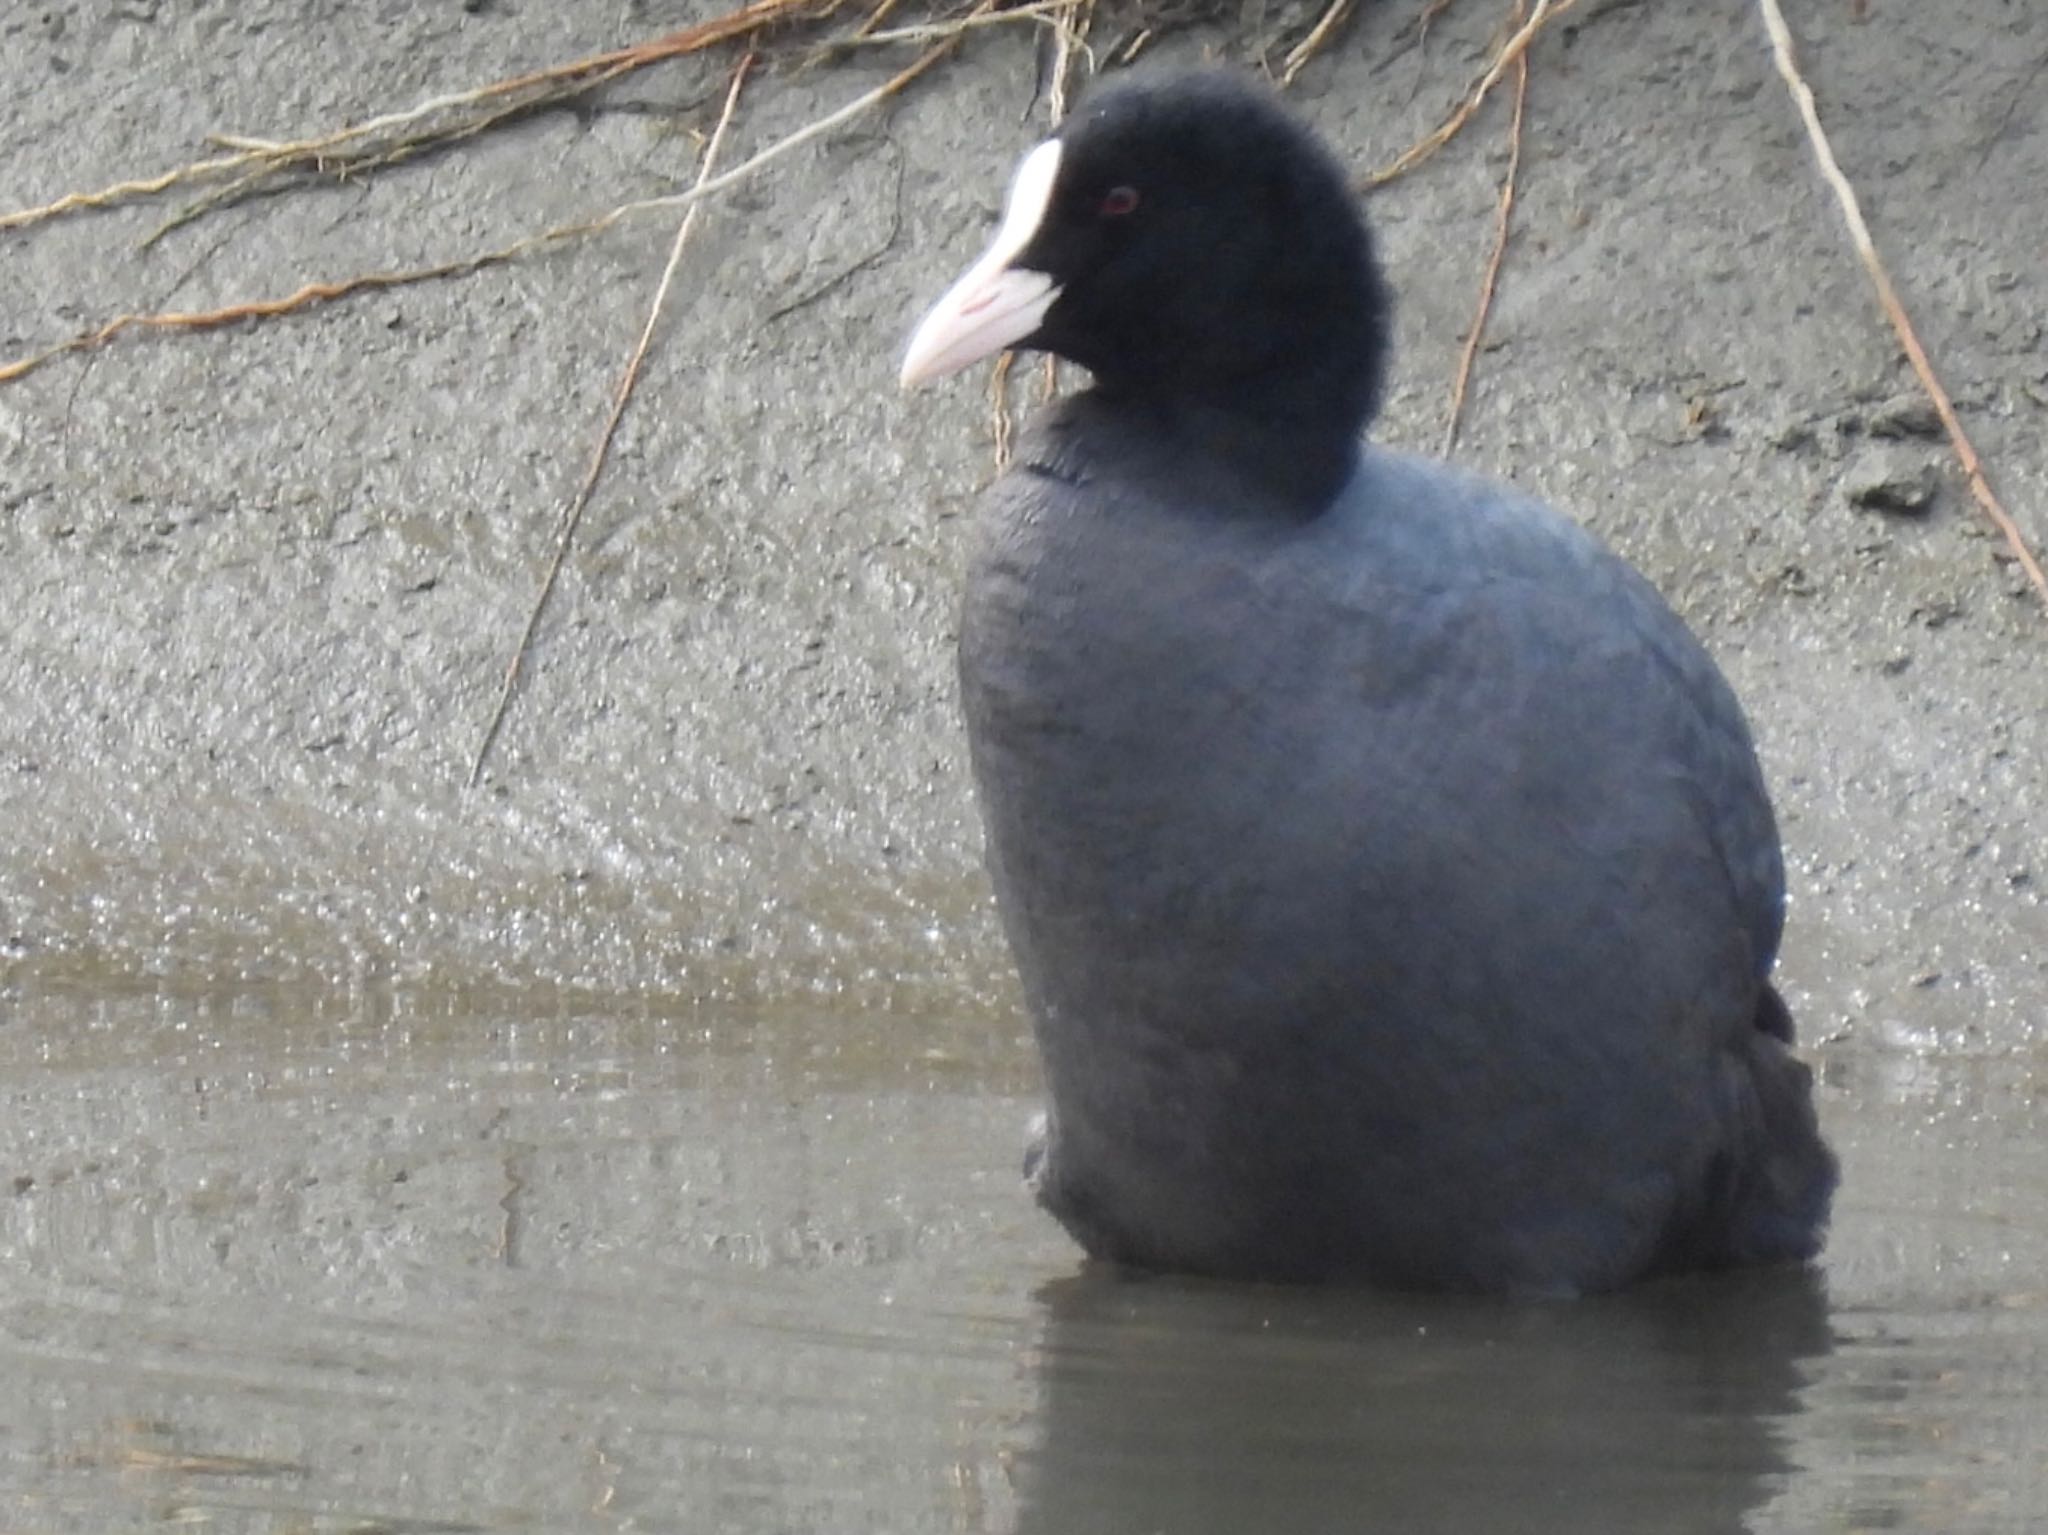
x: 1194, y: 247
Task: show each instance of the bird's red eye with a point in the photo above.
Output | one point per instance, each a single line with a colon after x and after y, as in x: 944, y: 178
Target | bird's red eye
x: 1118, y: 201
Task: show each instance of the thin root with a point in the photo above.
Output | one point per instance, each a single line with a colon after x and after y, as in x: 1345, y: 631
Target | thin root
x: 323, y: 292
x: 573, y: 515
x: 1002, y: 427
x: 1299, y: 56
x: 706, y: 183
x: 1887, y: 296
x: 1070, y: 38
x: 1491, y: 282
x: 269, y: 157
x: 1546, y: 11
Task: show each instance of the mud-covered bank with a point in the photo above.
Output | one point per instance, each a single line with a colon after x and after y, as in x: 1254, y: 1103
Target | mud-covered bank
x: 259, y: 585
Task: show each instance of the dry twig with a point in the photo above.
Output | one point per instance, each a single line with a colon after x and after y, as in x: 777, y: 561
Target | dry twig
x: 323, y: 292
x: 1041, y: 12
x: 1070, y: 37
x: 1002, y: 424
x: 306, y: 297
x: 1072, y: 20
x: 268, y: 157
x: 276, y: 168
x: 1491, y: 282
x: 1546, y: 12
x: 573, y: 514
x: 1318, y: 37
x: 872, y: 22
x: 1887, y: 296
x: 706, y: 184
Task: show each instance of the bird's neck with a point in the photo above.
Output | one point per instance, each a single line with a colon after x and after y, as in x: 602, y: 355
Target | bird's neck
x: 1292, y: 436
x: 1283, y: 402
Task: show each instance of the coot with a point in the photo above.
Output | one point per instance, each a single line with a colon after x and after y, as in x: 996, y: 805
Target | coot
x: 1389, y: 870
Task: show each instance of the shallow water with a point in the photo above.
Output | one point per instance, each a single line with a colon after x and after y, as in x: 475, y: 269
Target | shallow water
x: 402, y: 1262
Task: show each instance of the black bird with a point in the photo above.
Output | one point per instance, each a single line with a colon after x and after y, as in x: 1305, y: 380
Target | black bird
x: 1390, y: 871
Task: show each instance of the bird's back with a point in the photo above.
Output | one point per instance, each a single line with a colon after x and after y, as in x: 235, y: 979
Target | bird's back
x: 1392, y: 888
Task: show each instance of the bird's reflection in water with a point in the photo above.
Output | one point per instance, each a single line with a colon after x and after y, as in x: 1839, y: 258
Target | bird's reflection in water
x: 1181, y: 1407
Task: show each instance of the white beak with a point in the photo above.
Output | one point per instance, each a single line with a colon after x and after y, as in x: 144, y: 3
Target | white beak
x: 994, y: 304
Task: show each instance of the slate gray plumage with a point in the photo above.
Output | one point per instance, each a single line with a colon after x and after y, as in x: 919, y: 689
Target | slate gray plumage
x: 1390, y: 873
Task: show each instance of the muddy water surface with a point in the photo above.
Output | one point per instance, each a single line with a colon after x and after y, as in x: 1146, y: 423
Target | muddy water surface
x: 398, y: 1262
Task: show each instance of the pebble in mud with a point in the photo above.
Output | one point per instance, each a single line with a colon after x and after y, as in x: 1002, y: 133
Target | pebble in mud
x: 1894, y: 480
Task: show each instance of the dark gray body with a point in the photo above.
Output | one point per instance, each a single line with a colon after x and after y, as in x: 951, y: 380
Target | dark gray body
x: 1394, y: 891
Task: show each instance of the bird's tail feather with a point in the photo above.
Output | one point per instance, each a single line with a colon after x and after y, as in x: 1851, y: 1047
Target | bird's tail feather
x: 1768, y: 1193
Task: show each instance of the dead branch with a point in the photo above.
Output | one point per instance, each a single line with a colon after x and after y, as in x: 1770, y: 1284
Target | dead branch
x: 572, y: 516
x: 271, y: 157
x: 1888, y: 298
x: 1318, y: 38
x: 706, y: 183
x: 1546, y: 12
x: 1491, y: 281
